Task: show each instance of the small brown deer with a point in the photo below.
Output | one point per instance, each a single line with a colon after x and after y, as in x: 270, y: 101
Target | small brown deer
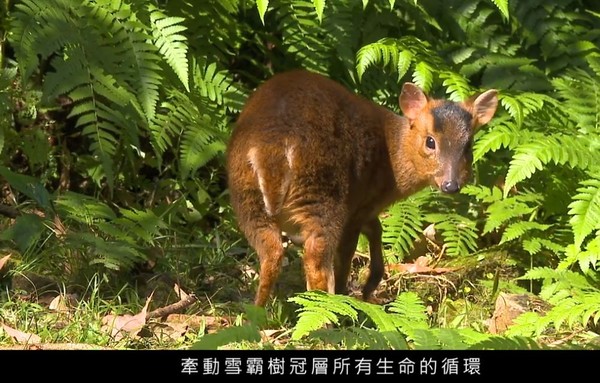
x: 314, y: 160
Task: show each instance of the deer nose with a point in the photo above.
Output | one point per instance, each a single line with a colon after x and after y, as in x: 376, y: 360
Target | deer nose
x: 450, y: 186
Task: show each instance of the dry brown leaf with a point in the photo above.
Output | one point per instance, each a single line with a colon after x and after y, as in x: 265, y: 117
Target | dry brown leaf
x: 133, y: 324
x: 3, y: 260
x: 172, y: 330
x: 421, y: 265
x: 59, y: 229
x: 20, y: 336
x: 180, y: 293
x: 63, y: 303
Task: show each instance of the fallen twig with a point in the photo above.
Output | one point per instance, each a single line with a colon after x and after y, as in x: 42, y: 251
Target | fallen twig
x: 172, y: 308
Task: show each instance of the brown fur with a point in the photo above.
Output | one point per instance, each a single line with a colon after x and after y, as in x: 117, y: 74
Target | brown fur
x: 312, y: 159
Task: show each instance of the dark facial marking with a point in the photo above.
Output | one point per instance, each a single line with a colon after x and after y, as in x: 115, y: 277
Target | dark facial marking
x: 451, y: 115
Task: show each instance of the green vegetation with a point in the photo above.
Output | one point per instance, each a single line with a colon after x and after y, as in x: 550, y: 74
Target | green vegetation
x: 114, y: 117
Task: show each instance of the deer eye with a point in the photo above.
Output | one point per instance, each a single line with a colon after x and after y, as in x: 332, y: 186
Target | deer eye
x: 430, y: 142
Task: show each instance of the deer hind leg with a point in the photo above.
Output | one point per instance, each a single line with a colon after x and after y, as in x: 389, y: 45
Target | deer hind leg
x: 267, y: 243
x: 373, y: 231
x: 343, y: 260
x: 257, y: 198
x: 320, y: 245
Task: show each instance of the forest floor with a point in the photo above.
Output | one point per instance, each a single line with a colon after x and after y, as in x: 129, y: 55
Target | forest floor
x: 158, y: 307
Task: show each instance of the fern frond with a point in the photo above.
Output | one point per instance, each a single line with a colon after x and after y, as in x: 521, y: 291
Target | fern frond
x: 585, y: 210
x: 507, y: 343
x: 459, y: 233
x: 521, y: 105
x: 483, y: 193
x: 216, y: 85
x: 457, y: 87
x: 409, y: 306
x: 319, y: 309
x: 83, y: 209
x: 356, y: 338
x: 587, y: 259
x: 262, y: 6
x: 499, y: 212
x: 518, y: 230
x: 502, y: 134
x: 562, y: 280
x: 138, y: 62
x: 200, y: 144
x: 425, y: 339
x: 559, y: 149
x: 134, y: 226
x: 403, y: 225
x: 202, y: 138
x: 410, y: 312
x: 581, y: 93
x: 170, y: 43
x: 32, y: 19
x: 319, y: 7
x: 503, y: 7
x: 399, y: 55
x: 115, y: 255
x: 247, y: 333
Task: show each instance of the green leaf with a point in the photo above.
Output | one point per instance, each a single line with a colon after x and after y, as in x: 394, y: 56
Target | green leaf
x: 518, y: 229
x: 226, y: 336
x: 503, y: 7
x: 423, y: 76
x: 26, y: 231
x: 262, y: 6
x: 30, y: 186
x: 171, y: 43
x: 585, y: 210
x: 319, y: 7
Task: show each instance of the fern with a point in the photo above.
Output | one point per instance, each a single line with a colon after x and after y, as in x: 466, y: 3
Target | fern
x: 262, y: 6
x: 502, y: 134
x: 319, y: 309
x: 587, y: 259
x: 502, y: 6
x: 403, y: 225
x: 170, y: 43
x: 354, y: 338
x: 507, y: 343
x: 576, y: 303
x: 115, y: 239
x: 518, y: 229
x: 559, y: 149
x: 459, y: 232
x: 226, y: 336
x: 585, y: 210
x: 84, y: 209
x: 201, y: 137
x: 501, y: 211
x: 399, y: 54
x: 404, y: 319
x: 101, y: 55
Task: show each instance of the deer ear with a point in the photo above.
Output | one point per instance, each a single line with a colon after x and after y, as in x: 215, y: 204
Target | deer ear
x: 412, y: 100
x: 484, y: 106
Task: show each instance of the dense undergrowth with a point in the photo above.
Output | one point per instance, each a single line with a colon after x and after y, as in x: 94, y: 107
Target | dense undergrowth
x: 114, y: 116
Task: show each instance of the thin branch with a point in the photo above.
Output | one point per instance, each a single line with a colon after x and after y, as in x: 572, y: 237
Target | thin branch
x: 172, y: 308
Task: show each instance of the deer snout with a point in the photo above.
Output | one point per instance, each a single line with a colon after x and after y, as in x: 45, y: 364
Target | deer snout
x: 450, y: 186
